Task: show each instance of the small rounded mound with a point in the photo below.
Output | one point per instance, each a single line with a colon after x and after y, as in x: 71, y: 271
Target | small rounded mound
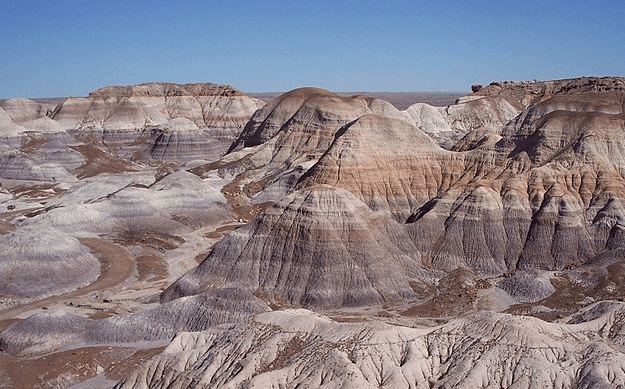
x: 180, y: 124
x: 45, y: 125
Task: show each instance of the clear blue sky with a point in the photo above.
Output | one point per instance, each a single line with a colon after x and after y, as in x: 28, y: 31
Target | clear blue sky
x: 69, y: 48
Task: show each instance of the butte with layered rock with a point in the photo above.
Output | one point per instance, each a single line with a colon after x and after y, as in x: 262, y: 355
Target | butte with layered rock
x: 316, y: 240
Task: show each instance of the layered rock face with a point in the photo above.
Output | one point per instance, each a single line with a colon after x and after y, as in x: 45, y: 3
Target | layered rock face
x: 494, y: 226
x: 334, y: 251
x: 287, y: 137
x: 309, y: 113
x: 529, y: 200
x: 117, y: 126
x: 536, y: 192
x: 39, y: 149
x: 160, y: 120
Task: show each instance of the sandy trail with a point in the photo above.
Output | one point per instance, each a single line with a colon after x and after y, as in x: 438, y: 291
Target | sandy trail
x: 116, y: 266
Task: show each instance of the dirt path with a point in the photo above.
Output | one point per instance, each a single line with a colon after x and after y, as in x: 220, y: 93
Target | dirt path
x: 116, y: 266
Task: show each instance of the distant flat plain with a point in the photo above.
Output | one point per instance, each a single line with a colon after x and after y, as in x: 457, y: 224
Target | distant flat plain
x: 401, y: 100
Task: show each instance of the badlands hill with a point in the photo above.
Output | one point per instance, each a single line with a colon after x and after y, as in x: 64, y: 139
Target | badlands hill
x: 317, y: 240
x: 376, y: 211
x: 114, y: 127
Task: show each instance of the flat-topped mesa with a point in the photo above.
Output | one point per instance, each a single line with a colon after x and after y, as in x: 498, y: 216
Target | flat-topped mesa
x: 552, y: 87
x: 485, y: 112
x: 166, y: 89
x: 133, y: 119
x: 124, y: 124
x: 127, y: 108
x: 529, y: 92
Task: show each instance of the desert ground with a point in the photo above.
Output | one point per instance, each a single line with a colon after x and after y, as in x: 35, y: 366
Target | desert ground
x: 195, y: 236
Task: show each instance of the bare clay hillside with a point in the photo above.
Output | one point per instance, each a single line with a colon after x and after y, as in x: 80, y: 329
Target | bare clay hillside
x: 317, y: 239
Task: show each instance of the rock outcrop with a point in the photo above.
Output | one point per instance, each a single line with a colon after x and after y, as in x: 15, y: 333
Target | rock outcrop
x: 495, y: 225
x: 116, y: 128
x: 536, y: 192
x: 146, y: 121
